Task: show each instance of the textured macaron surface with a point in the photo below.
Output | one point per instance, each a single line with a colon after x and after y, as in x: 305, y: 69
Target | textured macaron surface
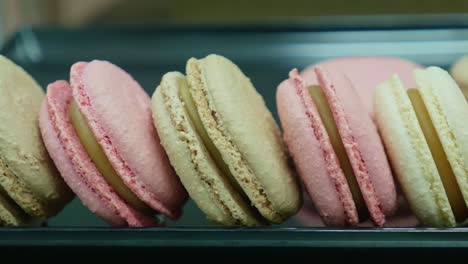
x: 28, y: 174
x: 313, y: 154
x: 366, y: 73
x: 245, y: 133
x: 309, y: 144
x: 118, y: 113
x: 75, y: 165
x: 410, y: 155
x: 447, y: 108
x: 362, y: 144
x: 206, y: 184
x: 458, y: 72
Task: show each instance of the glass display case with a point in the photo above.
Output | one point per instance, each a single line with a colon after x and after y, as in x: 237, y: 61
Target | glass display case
x: 265, y: 53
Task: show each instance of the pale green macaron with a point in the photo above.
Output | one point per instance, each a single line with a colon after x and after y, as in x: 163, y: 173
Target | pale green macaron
x: 30, y: 187
x: 224, y: 144
x: 426, y: 136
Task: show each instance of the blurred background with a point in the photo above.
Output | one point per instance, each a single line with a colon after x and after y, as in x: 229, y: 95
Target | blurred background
x: 16, y: 13
x: 265, y: 38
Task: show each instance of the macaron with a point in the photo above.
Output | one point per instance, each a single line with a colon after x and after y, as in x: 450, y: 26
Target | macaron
x: 99, y: 132
x: 366, y: 73
x: 224, y: 144
x: 459, y: 72
x: 336, y: 149
x: 31, y: 190
x: 427, y: 142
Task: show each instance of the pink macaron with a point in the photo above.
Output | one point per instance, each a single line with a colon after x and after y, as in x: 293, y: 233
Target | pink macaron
x: 336, y: 148
x: 99, y: 132
x: 366, y: 73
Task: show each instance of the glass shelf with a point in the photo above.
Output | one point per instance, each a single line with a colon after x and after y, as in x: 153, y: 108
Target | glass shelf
x: 224, y: 237
x: 265, y: 54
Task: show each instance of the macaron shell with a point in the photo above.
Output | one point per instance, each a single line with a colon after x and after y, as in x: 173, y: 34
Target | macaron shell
x: 313, y: 154
x: 87, y: 196
x: 362, y: 144
x: 448, y: 109
x: 128, y: 138
x: 244, y: 131
x: 309, y: 217
x: 205, y: 183
x: 29, y: 177
x: 10, y: 213
x: 76, y: 166
x: 410, y: 155
x: 459, y: 72
x: 366, y: 73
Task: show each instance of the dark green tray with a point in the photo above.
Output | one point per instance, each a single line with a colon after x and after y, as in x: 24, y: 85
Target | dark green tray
x: 265, y: 54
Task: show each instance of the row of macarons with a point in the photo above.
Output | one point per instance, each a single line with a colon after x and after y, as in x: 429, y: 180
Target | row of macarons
x: 355, y: 135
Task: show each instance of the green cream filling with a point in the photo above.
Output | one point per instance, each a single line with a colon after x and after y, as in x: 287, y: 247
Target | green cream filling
x: 101, y: 162
x: 447, y: 176
x: 320, y: 100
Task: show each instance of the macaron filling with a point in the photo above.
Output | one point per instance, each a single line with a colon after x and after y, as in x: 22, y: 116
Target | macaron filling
x: 320, y: 100
x: 100, y: 160
x: 447, y: 176
x: 214, y: 153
